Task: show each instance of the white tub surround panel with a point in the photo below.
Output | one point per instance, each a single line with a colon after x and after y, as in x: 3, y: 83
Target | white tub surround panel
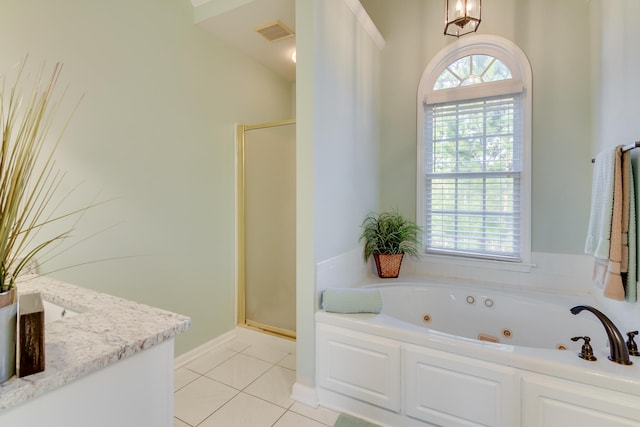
x: 346, y: 270
x: 453, y: 381
x: 105, y: 330
x: 450, y: 390
x: 343, y: 350
x: 549, y: 272
x: 550, y: 401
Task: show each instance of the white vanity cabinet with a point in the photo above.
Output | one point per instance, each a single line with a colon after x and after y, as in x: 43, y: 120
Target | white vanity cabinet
x: 136, y: 391
x: 457, y: 391
x: 549, y: 401
x: 109, y: 363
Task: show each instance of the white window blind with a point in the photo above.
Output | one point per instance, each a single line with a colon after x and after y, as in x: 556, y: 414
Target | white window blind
x: 473, y: 167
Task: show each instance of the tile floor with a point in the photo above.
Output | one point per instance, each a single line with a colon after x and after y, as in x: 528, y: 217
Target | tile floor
x: 244, y: 383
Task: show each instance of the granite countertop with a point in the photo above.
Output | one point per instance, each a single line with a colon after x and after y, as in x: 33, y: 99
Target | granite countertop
x: 106, y: 330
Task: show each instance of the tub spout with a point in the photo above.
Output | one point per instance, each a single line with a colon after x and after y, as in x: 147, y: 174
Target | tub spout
x: 618, y: 347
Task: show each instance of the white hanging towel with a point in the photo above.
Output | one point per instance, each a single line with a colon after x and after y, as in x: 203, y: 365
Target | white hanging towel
x: 599, y: 231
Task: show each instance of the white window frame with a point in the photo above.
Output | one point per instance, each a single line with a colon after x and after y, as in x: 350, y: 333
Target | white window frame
x: 513, y: 57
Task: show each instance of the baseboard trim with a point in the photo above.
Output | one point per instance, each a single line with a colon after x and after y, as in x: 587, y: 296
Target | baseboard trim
x: 193, y: 354
x: 305, y: 394
x: 241, y: 333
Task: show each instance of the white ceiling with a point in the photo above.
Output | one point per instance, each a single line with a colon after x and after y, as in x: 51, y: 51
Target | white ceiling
x: 236, y: 25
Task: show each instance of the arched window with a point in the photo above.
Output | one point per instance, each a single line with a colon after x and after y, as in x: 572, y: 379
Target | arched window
x: 474, y: 138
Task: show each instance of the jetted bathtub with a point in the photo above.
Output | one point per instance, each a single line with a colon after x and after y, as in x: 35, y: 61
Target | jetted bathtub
x: 449, y: 355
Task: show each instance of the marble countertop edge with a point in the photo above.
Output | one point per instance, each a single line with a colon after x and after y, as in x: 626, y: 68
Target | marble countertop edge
x: 105, y: 330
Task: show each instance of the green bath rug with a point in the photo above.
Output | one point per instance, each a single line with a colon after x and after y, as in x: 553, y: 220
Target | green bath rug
x: 346, y: 420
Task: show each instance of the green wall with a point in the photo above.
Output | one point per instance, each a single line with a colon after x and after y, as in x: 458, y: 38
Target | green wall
x: 155, y: 131
x: 615, y: 60
x: 555, y: 37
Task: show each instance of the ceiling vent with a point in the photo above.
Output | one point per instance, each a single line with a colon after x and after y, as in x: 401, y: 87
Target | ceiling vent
x: 275, y: 30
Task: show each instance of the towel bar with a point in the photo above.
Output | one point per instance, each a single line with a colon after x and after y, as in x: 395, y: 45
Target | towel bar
x: 625, y: 148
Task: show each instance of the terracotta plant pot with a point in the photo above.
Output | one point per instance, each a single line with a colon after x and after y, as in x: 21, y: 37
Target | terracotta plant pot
x: 8, y: 318
x: 388, y: 265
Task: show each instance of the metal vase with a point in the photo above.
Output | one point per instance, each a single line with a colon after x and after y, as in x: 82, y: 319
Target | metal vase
x: 8, y: 328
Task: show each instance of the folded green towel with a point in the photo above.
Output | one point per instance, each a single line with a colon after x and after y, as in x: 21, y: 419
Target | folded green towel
x: 346, y: 420
x: 341, y: 300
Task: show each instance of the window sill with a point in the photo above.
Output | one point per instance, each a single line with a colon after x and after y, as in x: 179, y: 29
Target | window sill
x: 431, y: 260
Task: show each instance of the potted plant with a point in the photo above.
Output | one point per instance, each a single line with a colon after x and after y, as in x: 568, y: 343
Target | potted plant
x: 387, y: 237
x: 28, y: 183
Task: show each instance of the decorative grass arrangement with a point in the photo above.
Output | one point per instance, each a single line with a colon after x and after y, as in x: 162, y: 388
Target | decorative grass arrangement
x: 28, y: 179
x: 390, y: 233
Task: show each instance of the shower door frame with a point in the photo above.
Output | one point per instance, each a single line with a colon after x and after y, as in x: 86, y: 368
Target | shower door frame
x: 241, y: 255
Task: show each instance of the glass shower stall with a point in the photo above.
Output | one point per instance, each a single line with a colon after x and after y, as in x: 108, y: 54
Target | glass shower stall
x: 266, y: 227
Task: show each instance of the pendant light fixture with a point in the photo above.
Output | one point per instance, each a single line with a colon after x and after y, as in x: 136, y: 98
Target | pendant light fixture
x: 461, y: 17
